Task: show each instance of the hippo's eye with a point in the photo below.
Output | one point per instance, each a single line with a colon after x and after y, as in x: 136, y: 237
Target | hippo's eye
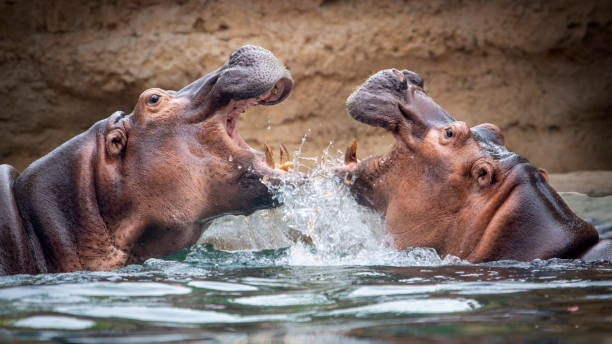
x: 448, y: 132
x: 153, y: 99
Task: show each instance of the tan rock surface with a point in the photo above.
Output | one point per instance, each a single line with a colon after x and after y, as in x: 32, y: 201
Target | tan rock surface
x: 592, y: 183
x: 541, y: 70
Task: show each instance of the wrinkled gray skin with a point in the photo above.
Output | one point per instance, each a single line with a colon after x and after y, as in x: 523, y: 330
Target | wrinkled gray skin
x: 143, y: 184
x: 250, y: 72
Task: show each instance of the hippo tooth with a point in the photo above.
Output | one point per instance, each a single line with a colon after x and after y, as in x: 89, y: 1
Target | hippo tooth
x: 269, y: 156
x: 285, y: 159
x: 351, y: 153
x: 284, y: 154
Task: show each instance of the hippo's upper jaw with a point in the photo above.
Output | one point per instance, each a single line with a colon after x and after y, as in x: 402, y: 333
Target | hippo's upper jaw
x: 396, y: 100
x: 147, y: 183
x: 454, y: 188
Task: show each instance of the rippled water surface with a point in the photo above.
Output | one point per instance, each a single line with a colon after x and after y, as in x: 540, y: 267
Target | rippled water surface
x: 317, y: 270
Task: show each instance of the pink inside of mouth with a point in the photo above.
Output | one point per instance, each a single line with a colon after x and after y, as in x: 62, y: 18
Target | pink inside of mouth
x: 232, y: 123
x: 237, y: 108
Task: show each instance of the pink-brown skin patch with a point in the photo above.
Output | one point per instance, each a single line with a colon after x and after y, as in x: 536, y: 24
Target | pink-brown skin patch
x: 456, y: 189
x: 147, y: 183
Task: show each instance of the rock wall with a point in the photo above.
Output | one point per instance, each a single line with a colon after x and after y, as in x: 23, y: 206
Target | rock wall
x: 540, y: 70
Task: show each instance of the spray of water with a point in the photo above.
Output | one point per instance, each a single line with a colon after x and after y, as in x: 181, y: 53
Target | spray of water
x: 319, y: 221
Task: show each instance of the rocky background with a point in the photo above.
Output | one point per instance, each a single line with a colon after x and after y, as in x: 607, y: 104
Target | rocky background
x: 540, y: 70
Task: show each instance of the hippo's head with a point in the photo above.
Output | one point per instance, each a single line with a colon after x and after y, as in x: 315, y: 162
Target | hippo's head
x: 147, y: 183
x: 454, y: 188
x: 177, y: 161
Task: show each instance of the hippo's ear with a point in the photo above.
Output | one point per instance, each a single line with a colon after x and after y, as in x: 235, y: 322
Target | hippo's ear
x: 488, y: 132
x: 115, y: 136
x: 544, y: 174
x: 115, y: 141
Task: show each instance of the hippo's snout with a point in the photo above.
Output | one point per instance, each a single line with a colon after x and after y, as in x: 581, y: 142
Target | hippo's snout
x: 392, y: 99
x: 250, y: 72
x: 375, y: 102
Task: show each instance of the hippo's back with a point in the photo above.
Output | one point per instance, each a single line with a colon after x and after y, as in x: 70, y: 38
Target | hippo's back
x: 19, y: 252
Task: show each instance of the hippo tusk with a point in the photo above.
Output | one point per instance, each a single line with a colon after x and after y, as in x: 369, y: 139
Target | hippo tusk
x: 284, y: 154
x: 269, y: 156
x: 285, y: 158
x: 351, y: 153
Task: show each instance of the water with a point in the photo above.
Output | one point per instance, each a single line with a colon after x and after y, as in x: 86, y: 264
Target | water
x: 317, y: 270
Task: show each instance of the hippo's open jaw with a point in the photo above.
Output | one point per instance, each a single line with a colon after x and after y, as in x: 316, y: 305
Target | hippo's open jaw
x: 241, y: 106
x: 252, y: 76
x: 232, y: 117
x: 263, y: 162
x: 396, y: 101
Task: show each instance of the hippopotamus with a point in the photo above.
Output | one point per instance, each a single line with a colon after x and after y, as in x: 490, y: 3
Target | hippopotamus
x: 457, y: 189
x: 147, y: 183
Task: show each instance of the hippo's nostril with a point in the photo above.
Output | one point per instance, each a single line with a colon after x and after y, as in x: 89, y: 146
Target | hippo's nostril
x: 399, y: 75
x: 403, y: 82
x: 414, y: 78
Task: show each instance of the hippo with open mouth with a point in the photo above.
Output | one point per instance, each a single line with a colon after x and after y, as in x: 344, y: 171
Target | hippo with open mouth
x: 147, y: 183
x: 457, y: 189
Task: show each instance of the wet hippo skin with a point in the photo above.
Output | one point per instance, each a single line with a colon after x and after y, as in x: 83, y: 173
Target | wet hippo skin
x: 147, y: 183
x: 457, y: 189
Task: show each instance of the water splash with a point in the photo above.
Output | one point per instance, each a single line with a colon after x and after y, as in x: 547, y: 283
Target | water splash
x: 320, y: 222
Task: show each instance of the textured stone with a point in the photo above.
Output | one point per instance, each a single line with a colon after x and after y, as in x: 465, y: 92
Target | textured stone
x: 540, y: 70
